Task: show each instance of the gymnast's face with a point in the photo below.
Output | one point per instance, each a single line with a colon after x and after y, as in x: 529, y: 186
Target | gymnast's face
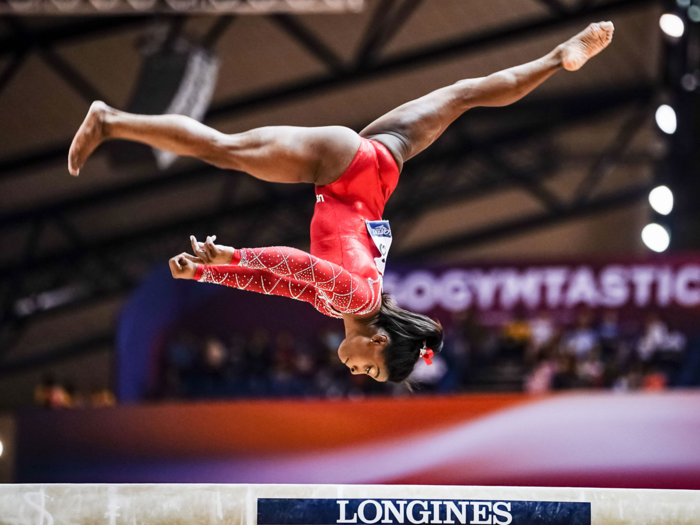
x: 362, y: 354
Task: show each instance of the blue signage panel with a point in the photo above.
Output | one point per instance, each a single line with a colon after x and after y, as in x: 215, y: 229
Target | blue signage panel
x: 420, y: 511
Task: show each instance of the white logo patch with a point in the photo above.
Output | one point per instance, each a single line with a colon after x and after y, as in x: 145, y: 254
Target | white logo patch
x: 380, y: 232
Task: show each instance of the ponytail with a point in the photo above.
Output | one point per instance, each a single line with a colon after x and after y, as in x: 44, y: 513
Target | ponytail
x: 408, y: 334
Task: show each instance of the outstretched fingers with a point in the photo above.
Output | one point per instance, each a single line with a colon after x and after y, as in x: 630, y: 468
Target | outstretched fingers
x: 210, y: 247
x: 210, y: 252
x: 197, y: 247
x: 206, y: 250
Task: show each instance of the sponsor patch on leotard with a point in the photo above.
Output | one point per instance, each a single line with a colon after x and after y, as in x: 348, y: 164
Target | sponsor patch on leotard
x: 380, y: 231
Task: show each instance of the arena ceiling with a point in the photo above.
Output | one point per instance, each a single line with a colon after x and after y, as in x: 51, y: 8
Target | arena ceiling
x: 547, y: 176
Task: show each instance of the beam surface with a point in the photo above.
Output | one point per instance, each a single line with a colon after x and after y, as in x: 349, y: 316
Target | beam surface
x: 315, y: 504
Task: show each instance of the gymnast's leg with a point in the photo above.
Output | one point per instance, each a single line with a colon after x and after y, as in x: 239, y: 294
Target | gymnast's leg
x: 275, y: 154
x: 412, y: 127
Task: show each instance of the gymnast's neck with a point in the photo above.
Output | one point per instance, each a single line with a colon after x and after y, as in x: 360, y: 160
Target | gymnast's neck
x: 361, y: 324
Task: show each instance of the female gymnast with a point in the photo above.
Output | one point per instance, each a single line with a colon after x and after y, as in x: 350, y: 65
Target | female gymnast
x: 354, y: 176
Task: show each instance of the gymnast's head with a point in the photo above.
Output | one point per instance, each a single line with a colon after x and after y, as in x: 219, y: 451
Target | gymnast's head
x: 387, y: 345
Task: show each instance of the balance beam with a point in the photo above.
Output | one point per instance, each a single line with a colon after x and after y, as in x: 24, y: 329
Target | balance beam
x: 341, y: 505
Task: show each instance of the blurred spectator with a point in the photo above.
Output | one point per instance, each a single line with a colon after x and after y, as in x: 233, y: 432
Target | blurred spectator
x: 540, y: 381
x: 658, y: 339
x: 565, y: 374
x: 215, y: 356
x: 101, y: 397
x: 590, y: 371
x: 75, y: 398
x: 654, y: 380
x: 212, y: 372
x: 516, y: 336
x: 582, y: 340
x: 609, y: 329
x: 55, y: 395
x: 632, y: 380
x: 653, y: 339
x: 42, y: 391
x: 52, y: 394
x: 542, y: 333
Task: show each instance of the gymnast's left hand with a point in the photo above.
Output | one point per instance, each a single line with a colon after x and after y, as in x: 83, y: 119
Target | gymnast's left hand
x: 184, y: 266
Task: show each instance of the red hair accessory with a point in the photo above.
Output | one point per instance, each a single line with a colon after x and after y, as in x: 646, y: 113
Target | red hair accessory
x: 426, y: 354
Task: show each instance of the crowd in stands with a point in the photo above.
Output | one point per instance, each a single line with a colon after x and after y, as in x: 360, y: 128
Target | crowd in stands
x: 525, y: 353
x: 260, y: 365
x: 595, y: 352
x: 51, y: 393
x: 532, y: 353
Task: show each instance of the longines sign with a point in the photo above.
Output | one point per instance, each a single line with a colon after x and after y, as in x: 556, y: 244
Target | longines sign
x: 420, y: 511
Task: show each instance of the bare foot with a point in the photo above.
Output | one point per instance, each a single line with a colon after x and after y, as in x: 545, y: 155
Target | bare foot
x: 90, y: 135
x: 587, y: 44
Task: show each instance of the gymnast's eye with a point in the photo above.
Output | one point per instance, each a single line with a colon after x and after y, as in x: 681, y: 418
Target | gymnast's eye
x: 368, y: 369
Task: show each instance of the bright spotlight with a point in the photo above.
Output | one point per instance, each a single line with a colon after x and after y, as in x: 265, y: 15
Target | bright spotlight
x: 694, y: 13
x: 661, y: 199
x: 656, y: 237
x: 672, y: 25
x: 1, y: 449
x: 666, y: 119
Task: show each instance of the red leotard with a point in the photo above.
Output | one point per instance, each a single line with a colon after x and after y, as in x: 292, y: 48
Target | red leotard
x: 339, y: 275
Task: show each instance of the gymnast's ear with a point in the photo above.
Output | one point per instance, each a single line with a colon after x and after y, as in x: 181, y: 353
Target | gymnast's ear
x: 380, y: 338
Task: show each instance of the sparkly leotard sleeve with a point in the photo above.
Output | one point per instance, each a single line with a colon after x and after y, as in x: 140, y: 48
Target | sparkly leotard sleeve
x: 343, y: 272
x: 288, y: 272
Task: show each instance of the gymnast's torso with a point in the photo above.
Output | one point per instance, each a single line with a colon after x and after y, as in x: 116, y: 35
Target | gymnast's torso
x: 343, y: 272
x: 338, y: 229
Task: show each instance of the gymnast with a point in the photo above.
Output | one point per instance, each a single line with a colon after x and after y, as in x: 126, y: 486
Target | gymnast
x: 354, y: 175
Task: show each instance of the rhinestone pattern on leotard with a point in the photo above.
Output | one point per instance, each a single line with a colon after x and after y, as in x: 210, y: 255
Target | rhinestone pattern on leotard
x: 293, y: 273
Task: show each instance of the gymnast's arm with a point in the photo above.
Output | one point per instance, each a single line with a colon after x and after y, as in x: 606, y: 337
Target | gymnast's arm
x: 345, y: 292
x: 186, y: 266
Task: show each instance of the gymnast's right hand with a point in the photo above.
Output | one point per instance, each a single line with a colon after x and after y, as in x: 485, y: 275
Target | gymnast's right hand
x: 211, y: 253
x: 184, y: 266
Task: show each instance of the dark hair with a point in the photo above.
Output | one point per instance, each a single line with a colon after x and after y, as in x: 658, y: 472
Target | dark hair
x: 407, y: 332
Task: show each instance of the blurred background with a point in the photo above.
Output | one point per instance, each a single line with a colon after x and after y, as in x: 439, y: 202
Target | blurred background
x: 556, y: 240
